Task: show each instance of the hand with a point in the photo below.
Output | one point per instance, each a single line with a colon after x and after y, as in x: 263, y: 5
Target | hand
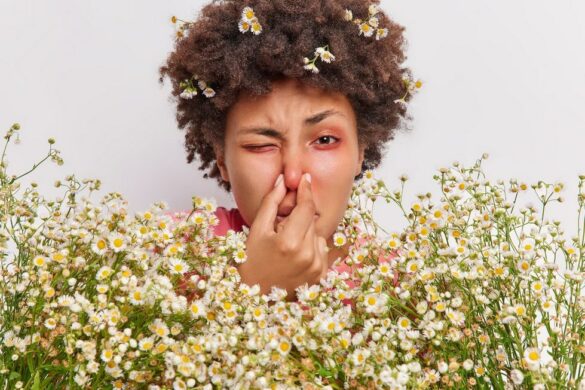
x: 289, y: 254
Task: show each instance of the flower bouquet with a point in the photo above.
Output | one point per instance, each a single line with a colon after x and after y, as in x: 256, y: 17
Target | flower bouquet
x: 478, y: 293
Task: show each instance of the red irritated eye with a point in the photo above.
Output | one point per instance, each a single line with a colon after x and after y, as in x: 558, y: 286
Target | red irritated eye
x: 328, y: 139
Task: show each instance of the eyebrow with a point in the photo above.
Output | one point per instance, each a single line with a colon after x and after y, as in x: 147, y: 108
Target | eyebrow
x: 269, y: 132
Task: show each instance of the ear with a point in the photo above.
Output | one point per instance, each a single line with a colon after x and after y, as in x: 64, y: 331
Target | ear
x: 220, y: 159
x: 360, y: 160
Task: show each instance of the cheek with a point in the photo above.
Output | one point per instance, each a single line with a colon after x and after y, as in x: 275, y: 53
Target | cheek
x: 250, y: 182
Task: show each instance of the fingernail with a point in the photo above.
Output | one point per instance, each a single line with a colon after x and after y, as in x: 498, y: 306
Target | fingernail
x: 278, y: 180
x: 308, y: 177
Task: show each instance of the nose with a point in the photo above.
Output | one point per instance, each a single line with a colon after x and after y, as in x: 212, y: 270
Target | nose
x: 293, y: 167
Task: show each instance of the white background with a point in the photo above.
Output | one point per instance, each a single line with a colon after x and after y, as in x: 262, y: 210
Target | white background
x: 502, y: 77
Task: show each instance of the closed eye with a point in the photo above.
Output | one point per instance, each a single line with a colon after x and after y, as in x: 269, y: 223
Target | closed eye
x: 327, y: 140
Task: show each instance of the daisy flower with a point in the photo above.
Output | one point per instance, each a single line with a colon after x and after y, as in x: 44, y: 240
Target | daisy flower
x: 177, y: 266
x: 248, y: 14
x: 366, y: 29
x: 339, y: 239
x: 311, y: 66
x: 100, y: 246
x: 146, y: 344
x: 188, y: 93
x: 50, y: 323
x: 209, y: 92
x: 308, y: 293
x: 284, y: 346
x: 137, y: 297
x: 107, y: 355
x: 103, y: 273
x: 40, y: 261
x: 256, y: 28
x: 197, y: 309
x: 359, y: 356
x: 455, y: 316
x: 243, y: 26
x: 533, y: 358
x: 403, y: 323
x: 348, y: 15
x: 240, y: 256
x: 117, y: 242
x: 159, y: 328
x: 373, y: 9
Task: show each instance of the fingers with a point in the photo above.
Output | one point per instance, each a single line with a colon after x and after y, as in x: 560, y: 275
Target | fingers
x: 301, y: 216
x: 266, y: 214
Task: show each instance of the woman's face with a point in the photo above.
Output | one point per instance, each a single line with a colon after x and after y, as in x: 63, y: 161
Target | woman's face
x: 292, y: 130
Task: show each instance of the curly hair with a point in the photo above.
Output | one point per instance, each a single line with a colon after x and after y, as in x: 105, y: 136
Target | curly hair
x: 367, y: 71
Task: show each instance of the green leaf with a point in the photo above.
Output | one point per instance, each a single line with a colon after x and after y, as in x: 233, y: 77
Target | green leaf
x: 37, y: 381
x: 14, y: 375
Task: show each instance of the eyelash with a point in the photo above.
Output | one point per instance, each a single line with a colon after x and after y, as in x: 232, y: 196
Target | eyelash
x: 323, y: 136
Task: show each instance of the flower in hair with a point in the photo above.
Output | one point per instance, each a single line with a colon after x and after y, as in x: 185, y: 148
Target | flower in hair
x: 367, y: 28
x: 249, y: 22
x: 320, y: 52
x: 189, y: 89
x: 412, y: 87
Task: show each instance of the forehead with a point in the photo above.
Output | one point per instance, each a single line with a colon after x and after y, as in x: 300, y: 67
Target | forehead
x: 288, y: 100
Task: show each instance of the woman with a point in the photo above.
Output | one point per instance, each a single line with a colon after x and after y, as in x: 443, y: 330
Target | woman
x: 285, y: 133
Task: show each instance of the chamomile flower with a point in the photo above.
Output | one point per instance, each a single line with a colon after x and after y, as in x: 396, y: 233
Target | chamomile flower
x: 403, y: 323
x: 311, y: 66
x: 117, y: 242
x: 533, y: 358
x: 284, y: 347
x: 248, y: 14
x: 159, y: 328
x: 308, y: 293
x: 339, y: 239
x: 256, y: 27
x: 455, y: 316
x: 359, y: 356
x: 209, y: 92
x: 100, y: 246
x: 188, y: 93
x: 50, y: 323
x: 146, y: 344
x: 240, y: 256
x: 244, y: 26
x: 137, y: 297
x: 198, y: 309
x: 348, y: 15
x: 104, y: 273
x: 40, y: 261
x: 177, y: 266
x: 107, y: 355
x: 365, y: 29
x: 324, y: 54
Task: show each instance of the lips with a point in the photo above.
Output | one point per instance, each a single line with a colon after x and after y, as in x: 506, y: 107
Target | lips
x: 284, y: 211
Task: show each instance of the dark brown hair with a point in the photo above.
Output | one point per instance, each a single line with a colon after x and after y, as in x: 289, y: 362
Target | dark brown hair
x: 367, y: 71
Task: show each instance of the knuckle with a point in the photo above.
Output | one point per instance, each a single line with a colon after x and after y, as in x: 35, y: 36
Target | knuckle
x: 286, y: 246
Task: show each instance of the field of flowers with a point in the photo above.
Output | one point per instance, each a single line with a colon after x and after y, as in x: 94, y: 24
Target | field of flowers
x: 479, y: 293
